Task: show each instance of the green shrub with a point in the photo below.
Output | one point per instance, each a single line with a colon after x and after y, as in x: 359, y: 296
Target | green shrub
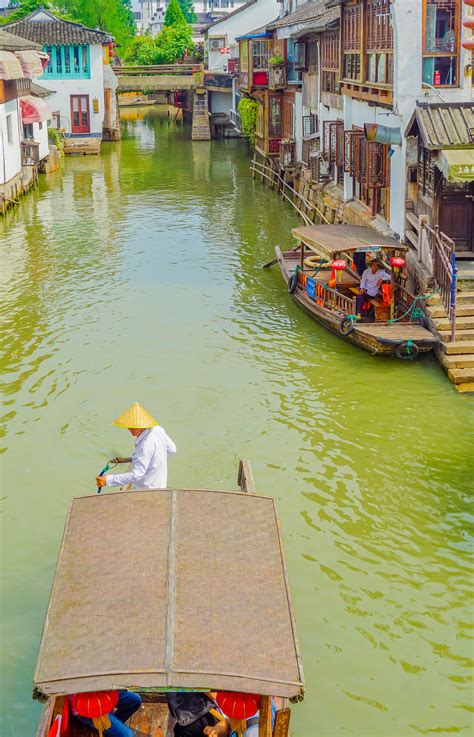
x: 248, y: 117
x: 276, y: 61
x: 56, y: 138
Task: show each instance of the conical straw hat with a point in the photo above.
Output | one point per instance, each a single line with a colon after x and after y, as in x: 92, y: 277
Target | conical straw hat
x: 135, y: 417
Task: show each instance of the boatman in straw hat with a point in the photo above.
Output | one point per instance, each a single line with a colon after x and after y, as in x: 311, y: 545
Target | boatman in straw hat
x: 152, y: 447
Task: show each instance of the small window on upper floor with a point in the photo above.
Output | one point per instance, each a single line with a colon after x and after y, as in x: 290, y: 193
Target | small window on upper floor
x: 441, y: 32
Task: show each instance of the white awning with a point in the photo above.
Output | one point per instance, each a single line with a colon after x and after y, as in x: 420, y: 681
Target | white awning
x: 30, y: 63
x: 456, y: 165
x: 10, y: 67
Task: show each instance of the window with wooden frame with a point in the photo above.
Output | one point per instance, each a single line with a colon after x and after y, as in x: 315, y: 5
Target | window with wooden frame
x: 441, y: 35
x: 378, y: 42
x: 330, y: 61
x: 425, y: 173
x: 261, y: 54
x: 244, y: 64
x: 312, y: 56
x: 310, y: 125
x: 350, y: 151
x: 352, y: 40
x: 260, y: 122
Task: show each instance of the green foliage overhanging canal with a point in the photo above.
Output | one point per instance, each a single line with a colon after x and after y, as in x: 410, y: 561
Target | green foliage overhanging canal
x: 170, y: 45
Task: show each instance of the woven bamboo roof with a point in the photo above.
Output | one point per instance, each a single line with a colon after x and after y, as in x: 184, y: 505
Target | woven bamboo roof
x: 169, y: 590
x: 332, y: 239
x: 444, y: 125
x: 11, y: 42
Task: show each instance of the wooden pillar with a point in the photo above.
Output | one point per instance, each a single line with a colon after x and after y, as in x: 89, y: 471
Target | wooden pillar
x: 265, y: 717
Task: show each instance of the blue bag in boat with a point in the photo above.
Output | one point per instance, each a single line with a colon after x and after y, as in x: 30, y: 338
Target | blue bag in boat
x: 188, y: 706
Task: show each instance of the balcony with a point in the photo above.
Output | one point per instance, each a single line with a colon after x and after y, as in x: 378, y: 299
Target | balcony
x: 287, y: 154
x: 29, y: 153
x: 277, y: 77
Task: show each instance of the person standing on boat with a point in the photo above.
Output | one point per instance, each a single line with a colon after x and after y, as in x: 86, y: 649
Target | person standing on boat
x: 371, y: 284
x: 152, y: 446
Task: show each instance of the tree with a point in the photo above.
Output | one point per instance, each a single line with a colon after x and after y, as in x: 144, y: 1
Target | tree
x: 172, y: 42
x: 189, y: 13
x: 174, y: 15
x: 113, y: 16
x: 142, y: 51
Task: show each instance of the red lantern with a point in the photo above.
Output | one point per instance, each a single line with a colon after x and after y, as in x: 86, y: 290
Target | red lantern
x: 468, y: 44
x: 96, y: 705
x: 469, y: 22
x: 238, y: 705
x: 338, y: 265
x: 397, y: 263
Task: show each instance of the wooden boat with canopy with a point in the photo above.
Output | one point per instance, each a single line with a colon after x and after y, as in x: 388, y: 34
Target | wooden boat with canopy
x: 323, y: 273
x: 170, y: 590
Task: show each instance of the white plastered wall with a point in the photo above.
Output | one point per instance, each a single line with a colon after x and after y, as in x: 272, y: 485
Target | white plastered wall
x: 10, y: 153
x: 93, y: 87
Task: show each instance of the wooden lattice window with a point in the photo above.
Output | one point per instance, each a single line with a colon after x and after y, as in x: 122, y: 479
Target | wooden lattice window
x: 351, y: 41
x: 377, y: 165
x: 360, y: 173
x: 350, y: 151
x: 425, y: 172
x: 441, y: 35
x: 332, y: 140
x: 288, y: 116
x: 330, y: 61
x: 312, y: 56
x: 378, y: 42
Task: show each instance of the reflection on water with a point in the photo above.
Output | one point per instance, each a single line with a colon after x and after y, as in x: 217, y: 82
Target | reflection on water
x: 135, y: 276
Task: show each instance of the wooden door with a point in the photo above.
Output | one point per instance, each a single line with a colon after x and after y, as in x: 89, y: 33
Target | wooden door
x: 80, y: 117
x: 456, y: 217
x: 107, y: 110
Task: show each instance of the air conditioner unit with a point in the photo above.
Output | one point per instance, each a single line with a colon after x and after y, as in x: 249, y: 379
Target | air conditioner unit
x: 216, y: 43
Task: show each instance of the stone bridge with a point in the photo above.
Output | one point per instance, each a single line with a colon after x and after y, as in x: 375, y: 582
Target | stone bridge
x: 159, y: 78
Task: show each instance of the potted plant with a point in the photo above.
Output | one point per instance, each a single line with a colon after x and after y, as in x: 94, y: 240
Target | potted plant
x: 276, y: 73
x: 276, y: 61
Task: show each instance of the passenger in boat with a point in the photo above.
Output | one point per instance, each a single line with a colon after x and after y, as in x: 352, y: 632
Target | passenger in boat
x: 196, y: 715
x: 370, y: 287
x: 152, y: 447
x: 128, y: 703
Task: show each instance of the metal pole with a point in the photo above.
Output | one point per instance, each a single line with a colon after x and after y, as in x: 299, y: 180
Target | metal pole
x: 454, y: 278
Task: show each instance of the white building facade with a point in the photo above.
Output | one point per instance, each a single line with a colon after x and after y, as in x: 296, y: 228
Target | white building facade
x: 82, y: 83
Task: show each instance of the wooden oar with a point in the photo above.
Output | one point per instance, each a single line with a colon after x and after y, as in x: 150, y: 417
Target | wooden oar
x: 270, y: 263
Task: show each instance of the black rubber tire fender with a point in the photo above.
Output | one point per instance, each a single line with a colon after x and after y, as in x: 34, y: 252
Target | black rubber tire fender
x: 292, y: 282
x: 346, y: 326
x: 401, y: 351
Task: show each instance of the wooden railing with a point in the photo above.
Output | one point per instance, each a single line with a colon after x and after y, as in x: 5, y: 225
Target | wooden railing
x: 306, y: 209
x: 178, y: 70
x: 443, y: 255
x: 337, y: 301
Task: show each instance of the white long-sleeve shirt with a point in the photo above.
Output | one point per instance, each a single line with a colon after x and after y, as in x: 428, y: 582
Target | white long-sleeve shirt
x: 149, y: 462
x: 369, y: 281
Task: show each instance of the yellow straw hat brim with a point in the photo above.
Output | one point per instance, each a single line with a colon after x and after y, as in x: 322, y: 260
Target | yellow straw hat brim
x: 136, y: 417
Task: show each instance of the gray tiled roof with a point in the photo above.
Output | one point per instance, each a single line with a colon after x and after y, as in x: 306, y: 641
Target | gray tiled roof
x: 10, y: 42
x: 39, y: 91
x: 315, y: 14
x: 234, y: 12
x: 55, y: 31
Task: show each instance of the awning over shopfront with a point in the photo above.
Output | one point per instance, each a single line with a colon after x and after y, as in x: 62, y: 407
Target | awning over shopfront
x: 456, y: 165
x: 34, y: 110
x: 30, y: 63
x: 10, y: 67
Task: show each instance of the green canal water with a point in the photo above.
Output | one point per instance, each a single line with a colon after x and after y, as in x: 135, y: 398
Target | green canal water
x: 135, y: 277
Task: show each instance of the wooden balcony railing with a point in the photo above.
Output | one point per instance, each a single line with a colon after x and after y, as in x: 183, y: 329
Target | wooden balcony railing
x: 443, y: 255
x: 29, y: 153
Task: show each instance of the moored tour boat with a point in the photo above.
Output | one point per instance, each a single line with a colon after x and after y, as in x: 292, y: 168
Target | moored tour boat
x: 321, y: 273
x: 167, y: 591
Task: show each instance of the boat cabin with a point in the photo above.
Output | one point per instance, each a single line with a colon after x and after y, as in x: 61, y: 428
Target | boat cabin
x: 170, y: 590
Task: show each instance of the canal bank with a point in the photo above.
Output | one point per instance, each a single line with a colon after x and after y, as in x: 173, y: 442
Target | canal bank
x: 135, y: 276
